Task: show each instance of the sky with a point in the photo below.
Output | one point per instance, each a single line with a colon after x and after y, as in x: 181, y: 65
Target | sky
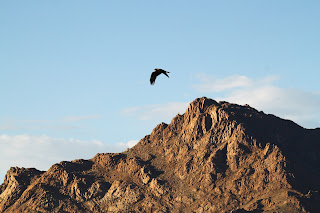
x: 74, y: 75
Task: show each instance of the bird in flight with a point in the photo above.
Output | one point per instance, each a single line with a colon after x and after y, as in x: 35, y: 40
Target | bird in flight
x: 156, y: 73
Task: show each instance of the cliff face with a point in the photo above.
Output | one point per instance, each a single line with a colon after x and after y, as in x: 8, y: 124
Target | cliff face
x: 216, y: 157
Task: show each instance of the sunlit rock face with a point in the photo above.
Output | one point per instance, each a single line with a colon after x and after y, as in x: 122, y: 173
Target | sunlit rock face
x: 216, y: 157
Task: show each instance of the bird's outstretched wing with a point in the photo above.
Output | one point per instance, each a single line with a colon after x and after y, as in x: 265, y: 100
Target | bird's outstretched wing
x: 153, y: 77
x: 165, y: 72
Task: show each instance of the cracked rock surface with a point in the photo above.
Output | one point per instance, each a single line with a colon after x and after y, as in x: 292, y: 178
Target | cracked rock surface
x: 216, y: 157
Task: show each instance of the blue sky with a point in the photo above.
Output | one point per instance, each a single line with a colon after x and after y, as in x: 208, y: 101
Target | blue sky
x: 75, y: 74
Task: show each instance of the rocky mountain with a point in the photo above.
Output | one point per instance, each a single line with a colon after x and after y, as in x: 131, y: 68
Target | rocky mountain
x: 216, y: 157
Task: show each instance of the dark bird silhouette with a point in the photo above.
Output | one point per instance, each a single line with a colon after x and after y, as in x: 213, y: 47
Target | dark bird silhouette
x: 156, y: 73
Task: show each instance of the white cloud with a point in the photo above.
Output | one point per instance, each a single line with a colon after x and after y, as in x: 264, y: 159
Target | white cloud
x: 300, y: 106
x: 80, y: 118
x: 128, y: 144
x: 210, y: 84
x: 41, y: 151
x: 66, y: 123
x: 131, y: 110
x: 157, y: 111
x: 131, y: 143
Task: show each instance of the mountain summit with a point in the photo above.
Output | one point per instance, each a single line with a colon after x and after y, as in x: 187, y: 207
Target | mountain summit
x: 216, y: 157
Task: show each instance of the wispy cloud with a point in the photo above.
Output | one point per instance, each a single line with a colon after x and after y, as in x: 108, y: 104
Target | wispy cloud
x: 65, y: 123
x: 80, y: 118
x: 41, y: 151
x: 128, y: 144
x: 210, y: 84
x: 294, y: 104
x: 164, y: 111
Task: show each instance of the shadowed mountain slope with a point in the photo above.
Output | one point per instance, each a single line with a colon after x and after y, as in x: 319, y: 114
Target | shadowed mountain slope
x: 216, y: 157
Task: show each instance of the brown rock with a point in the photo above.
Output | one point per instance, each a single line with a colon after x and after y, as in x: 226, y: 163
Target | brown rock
x: 216, y: 157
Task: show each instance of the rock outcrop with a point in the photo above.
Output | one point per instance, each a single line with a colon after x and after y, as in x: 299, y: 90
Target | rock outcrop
x: 216, y: 157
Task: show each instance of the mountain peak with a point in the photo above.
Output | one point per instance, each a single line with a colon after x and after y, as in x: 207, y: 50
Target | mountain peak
x: 216, y: 157
x: 202, y: 104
